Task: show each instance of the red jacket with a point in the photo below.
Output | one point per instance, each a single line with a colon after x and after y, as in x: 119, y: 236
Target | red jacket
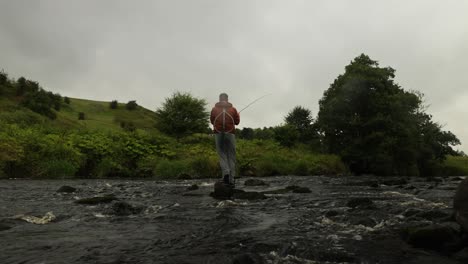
x: 224, y: 117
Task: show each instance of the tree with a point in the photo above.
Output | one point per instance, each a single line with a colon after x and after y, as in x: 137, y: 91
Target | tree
x: 181, y: 115
x: 21, y: 86
x: 114, y: 104
x: 378, y: 127
x: 247, y: 133
x: 301, y: 119
x: 3, y: 78
x: 131, y: 105
x: 286, y: 135
x: 81, y: 116
x: 66, y: 100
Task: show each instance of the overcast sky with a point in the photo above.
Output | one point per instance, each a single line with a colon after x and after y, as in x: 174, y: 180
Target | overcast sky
x: 146, y: 50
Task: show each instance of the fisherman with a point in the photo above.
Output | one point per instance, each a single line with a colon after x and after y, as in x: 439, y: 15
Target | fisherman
x: 224, y: 118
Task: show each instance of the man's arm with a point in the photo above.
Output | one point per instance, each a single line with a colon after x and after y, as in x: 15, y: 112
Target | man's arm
x: 236, y: 117
x: 212, y: 116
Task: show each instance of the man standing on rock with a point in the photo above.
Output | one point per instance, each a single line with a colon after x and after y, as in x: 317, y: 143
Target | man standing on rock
x: 224, y: 118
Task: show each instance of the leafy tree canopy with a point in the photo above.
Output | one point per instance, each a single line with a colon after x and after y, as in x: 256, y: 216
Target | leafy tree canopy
x: 378, y: 127
x: 181, y: 115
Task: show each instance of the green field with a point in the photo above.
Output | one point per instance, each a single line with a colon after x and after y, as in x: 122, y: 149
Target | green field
x: 99, y: 116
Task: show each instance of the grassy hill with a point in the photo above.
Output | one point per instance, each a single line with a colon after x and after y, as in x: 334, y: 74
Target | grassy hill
x: 98, y: 114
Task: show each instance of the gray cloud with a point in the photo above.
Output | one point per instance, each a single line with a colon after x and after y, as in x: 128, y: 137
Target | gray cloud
x: 146, y: 50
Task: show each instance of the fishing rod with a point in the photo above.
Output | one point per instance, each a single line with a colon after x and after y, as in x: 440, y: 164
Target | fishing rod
x: 254, y: 101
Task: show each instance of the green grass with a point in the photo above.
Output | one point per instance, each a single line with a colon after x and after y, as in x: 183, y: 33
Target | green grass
x: 456, y: 166
x: 99, y: 116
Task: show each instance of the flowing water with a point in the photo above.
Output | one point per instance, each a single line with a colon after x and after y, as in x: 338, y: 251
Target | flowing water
x: 180, y: 226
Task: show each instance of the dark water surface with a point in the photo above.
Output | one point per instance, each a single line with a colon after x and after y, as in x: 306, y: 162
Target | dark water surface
x: 181, y: 226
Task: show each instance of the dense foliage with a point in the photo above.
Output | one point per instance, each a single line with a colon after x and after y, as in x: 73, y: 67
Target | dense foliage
x: 378, y: 127
x: 182, y: 115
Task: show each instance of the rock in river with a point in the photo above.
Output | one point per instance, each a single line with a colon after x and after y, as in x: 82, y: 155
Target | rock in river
x: 361, y: 203
x: 254, y: 182
x: 460, y: 204
x: 4, y: 227
x: 124, y: 209
x: 223, y: 192
x: 435, y: 237
x: 66, y: 189
x: 96, y: 200
x: 193, y: 187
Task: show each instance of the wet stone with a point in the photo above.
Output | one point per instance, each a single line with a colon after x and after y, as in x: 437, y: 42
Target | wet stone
x: 433, y: 214
x: 125, y: 209
x: 255, y: 182
x: 462, y: 255
x: 365, y: 221
x: 96, y: 200
x: 4, y: 227
x: 239, y: 194
x: 395, y: 182
x: 435, y: 237
x: 222, y: 191
x: 411, y: 212
x: 192, y: 187
x: 248, y: 258
x: 361, y: 203
x: 298, y: 189
x: 66, y: 189
x: 460, y: 204
x: 332, y: 213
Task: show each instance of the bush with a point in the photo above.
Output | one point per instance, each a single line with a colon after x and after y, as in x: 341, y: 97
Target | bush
x: 205, y: 167
x: 114, y: 104
x: 66, y: 100
x: 57, y: 169
x: 172, y: 169
x: 147, y: 165
x: 182, y: 115
x: 81, y: 116
x: 111, y: 168
x: 131, y: 105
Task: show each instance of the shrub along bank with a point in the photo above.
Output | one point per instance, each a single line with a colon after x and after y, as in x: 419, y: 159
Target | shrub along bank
x: 41, y: 152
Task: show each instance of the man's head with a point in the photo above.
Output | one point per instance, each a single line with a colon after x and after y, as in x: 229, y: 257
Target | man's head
x: 223, y: 97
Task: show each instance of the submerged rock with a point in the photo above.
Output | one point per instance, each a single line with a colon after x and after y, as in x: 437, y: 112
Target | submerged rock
x: 332, y: 213
x: 239, y: 194
x: 254, y: 182
x: 193, y: 187
x: 96, y: 200
x: 291, y: 188
x: 365, y: 221
x: 66, y: 189
x: 248, y: 258
x: 440, y: 238
x: 4, y: 227
x: 361, y: 203
x: 222, y: 191
x: 400, y: 181
x: 462, y: 255
x: 433, y: 215
x: 298, y: 189
x: 460, y: 204
x: 124, y: 209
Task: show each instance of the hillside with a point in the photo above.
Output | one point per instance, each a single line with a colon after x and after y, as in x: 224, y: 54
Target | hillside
x: 97, y: 114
